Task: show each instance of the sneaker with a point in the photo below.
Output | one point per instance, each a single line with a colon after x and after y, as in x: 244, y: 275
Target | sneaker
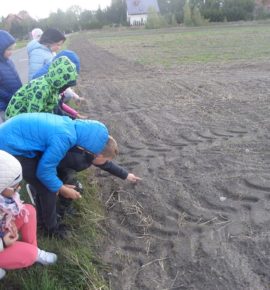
x: 2, y: 273
x: 31, y: 192
x: 46, y: 258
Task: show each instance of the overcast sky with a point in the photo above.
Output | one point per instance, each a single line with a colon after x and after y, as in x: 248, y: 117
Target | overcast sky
x: 42, y: 8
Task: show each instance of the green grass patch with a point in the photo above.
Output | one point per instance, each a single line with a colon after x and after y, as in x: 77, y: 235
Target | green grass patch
x: 21, y: 43
x: 78, y: 266
x: 175, y: 46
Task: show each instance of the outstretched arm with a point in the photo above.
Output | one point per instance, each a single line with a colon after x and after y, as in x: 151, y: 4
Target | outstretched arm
x: 118, y: 171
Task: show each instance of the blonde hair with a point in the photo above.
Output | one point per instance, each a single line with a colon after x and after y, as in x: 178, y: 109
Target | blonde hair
x: 111, y: 148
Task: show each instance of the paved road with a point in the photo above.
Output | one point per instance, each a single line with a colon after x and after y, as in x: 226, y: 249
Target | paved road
x: 20, y: 59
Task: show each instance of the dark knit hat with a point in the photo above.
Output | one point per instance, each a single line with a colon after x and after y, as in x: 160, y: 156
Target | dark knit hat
x: 51, y: 35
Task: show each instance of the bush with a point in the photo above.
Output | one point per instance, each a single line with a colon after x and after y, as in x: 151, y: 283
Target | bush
x: 193, y: 17
x: 197, y: 18
x: 187, y: 15
x: 155, y: 20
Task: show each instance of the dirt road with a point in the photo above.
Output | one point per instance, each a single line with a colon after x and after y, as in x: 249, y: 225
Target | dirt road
x: 199, y: 137
x: 20, y: 59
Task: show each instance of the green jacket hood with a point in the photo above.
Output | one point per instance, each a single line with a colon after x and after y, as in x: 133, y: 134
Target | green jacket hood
x: 62, y: 74
x: 42, y: 94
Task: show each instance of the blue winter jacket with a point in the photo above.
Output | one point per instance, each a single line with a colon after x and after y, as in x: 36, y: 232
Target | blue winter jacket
x: 69, y: 54
x: 38, y: 56
x: 52, y: 135
x: 9, y: 79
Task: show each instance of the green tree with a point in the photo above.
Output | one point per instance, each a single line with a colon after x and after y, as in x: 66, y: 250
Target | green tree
x: 85, y: 20
x: 187, y: 14
x: 235, y: 10
x: 155, y: 20
x: 212, y: 10
x: 57, y: 20
x: 116, y: 13
x: 16, y: 29
x: 197, y: 18
x: 73, y: 18
x: 172, y: 9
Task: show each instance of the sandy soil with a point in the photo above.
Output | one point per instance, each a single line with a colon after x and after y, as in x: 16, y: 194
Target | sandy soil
x: 199, y: 137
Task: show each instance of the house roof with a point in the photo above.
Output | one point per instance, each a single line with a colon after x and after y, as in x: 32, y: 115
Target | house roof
x: 140, y: 6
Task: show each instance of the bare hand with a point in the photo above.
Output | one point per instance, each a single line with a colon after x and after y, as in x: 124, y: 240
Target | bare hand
x: 78, y: 100
x: 68, y: 191
x: 79, y: 116
x: 13, y: 229
x: 133, y: 178
x: 9, y: 238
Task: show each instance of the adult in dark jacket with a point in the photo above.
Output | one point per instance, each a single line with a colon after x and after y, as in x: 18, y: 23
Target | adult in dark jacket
x: 9, y: 79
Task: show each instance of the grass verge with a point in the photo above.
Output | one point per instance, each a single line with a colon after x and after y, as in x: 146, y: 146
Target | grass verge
x: 78, y: 266
x: 171, y: 47
x: 21, y: 43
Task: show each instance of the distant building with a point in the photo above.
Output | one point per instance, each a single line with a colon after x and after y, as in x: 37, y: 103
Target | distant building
x: 263, y: 3
x: 16, y: 19
x: 10, y: 20
x: 137, y: 11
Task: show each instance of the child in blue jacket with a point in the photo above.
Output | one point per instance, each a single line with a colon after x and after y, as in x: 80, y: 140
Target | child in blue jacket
x: 41, y: 141
x: 10, y: 81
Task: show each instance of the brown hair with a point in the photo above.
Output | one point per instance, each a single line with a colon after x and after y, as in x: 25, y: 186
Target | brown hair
x: 111, y: 148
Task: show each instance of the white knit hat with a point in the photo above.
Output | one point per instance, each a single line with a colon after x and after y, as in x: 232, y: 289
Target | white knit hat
x: 10, y: 170
x: 36, y: 33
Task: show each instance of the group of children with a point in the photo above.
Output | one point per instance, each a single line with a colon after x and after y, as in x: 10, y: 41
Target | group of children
x: 45, y: 142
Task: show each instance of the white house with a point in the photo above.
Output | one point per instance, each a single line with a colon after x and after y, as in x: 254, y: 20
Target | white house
x: 137, y: 10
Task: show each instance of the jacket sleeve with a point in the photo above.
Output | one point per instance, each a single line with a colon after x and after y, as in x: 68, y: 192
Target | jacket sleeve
x: 37, y: 59
x: 73, y: 113
x: 47, y: 167
x: 114, y: 169
x: 4, y: 95
x: 10, y: 81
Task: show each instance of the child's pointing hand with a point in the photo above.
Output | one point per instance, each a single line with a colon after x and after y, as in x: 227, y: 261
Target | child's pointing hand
x: 133, y: 178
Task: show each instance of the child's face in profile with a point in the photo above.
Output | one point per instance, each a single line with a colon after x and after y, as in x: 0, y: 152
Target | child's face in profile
x: 9, y: 191
x: 56, y: 46
x: 8, y: 52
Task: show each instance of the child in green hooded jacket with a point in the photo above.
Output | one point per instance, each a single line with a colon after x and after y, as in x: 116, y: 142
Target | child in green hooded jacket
x: 42, y: 94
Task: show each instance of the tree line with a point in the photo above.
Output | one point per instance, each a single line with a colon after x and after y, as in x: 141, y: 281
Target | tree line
x: 172, y: 12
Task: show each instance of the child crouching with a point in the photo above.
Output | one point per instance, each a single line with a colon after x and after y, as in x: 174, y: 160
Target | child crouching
x: 17, y: 217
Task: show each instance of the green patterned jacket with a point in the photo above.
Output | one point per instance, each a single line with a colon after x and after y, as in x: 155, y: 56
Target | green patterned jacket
x: 42, y: 94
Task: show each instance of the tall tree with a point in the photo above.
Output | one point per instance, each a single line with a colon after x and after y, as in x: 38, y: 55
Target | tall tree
x: 187, y: 14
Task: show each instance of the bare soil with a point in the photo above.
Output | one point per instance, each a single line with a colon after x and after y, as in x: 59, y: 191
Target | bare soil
x: 199, y: 137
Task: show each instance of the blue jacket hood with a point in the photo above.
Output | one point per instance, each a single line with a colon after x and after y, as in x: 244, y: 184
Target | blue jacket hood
x: 73, y: 57
x: 91, y: 135
x: 6, y: 40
